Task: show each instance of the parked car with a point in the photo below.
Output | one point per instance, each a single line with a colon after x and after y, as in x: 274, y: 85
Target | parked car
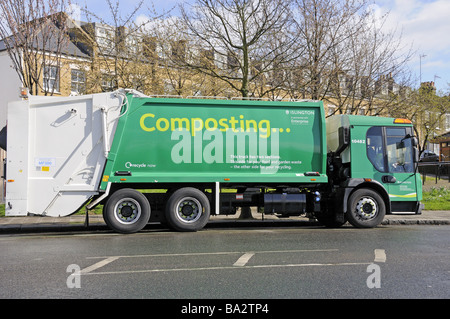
x: 429, y: 156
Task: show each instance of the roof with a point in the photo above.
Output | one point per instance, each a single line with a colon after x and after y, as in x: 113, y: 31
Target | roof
x: 239, y: 102
x: 69, y: 50
x: 445, y: 137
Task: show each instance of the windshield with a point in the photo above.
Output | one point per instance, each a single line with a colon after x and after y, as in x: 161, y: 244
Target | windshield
x: 399, y: 150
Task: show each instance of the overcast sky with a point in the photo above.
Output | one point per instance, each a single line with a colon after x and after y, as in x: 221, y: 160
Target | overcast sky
x: 425, y: 24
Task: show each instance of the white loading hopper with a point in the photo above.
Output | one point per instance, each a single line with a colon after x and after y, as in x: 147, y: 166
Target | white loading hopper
x: 57, y: 149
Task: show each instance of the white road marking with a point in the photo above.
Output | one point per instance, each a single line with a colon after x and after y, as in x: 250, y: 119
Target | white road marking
x: 240, y: 263
x: 217, y: 253
x: 98, y: 265
x: 380, y: 256
x: 223, y: 268
x: 243, y: 259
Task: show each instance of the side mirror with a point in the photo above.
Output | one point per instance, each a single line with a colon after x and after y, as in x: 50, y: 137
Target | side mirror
x: 416, y: 159
x: 416, y: 154
x: 414, y: 140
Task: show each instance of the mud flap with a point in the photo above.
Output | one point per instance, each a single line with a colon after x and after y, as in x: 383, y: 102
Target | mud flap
x: 339, y: 217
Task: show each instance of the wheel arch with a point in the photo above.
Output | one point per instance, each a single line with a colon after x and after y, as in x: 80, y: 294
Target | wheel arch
x: 376, y: 186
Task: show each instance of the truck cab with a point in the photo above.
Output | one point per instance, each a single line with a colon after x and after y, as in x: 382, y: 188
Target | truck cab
x: 376, y: 155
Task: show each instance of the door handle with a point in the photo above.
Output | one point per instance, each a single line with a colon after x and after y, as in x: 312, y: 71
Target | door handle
x: 388, y: 179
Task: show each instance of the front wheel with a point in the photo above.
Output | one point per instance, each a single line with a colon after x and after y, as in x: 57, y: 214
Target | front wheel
x: 366, y: 209
x: 188, y: 209
x: 127, y: 211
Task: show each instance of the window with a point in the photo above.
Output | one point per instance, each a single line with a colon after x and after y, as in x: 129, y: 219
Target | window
x: 108, y: 83
x: 105, y: 39
x: 393, y: 154
x: 51, y: 78
x: 399, y: 150
x: 78, y: 84
x: 375, y: 149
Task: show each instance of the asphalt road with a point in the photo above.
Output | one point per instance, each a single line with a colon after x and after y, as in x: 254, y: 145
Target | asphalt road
x: 233, y: 263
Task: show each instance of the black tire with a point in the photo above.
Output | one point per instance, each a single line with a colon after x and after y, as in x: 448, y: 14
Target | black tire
x: 188, y: 210
x: 366, y: 208
x: 127, y: 211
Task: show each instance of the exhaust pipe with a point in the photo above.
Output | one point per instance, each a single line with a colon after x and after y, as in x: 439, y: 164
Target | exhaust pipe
x: 3, y: 138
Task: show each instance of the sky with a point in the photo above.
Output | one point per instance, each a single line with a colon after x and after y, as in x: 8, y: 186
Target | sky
x: 426, y: 25
x: 422, y: 24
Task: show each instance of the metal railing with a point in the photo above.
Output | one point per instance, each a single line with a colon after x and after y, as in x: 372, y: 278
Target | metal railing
x: 438, y: 170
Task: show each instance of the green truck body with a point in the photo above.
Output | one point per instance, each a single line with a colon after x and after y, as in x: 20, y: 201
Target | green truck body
x: 174, y: 140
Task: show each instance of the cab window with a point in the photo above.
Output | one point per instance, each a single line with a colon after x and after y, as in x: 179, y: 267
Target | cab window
x: 375, y: 148
x: 390, y: 150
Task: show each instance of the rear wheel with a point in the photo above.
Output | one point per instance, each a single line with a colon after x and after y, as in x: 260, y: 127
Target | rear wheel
x: 188, y: 209
x: 366, y: 208
x: 127, y: 211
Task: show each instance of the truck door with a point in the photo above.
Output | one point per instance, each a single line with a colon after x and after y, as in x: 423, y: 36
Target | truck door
x: 401, y: 179
x: 390, y: 150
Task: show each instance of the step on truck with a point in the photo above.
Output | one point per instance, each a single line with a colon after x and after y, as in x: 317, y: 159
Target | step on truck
x: 179, y: 161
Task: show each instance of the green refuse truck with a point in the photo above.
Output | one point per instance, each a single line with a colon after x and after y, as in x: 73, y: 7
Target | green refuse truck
x: 179, y: 161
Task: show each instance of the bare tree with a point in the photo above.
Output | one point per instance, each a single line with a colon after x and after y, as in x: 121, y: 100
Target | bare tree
x: 325, y: 27
x: 172, y: 52
x: 121, y: 53
x: 370, y: 69
x: 349, y: 59
x: 427, y: 111
x: 34, y: 33
x: 238, y: 36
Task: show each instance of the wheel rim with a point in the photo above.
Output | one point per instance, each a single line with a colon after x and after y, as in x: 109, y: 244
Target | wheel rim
x: 189, y: 210
x: 366, y: 208
x: 127, y: 211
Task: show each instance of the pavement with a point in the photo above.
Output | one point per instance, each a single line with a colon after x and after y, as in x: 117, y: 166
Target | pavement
x: 34, y: 224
